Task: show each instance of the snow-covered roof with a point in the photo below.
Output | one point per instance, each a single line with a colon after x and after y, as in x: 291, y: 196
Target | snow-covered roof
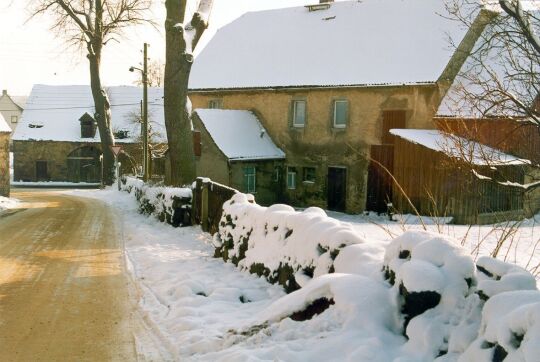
x: 4, y: 128
x: 19, y: 100
x: 53, y: 112
x: 458, y: 147
x: 351, y: 43
x: 471, y: 94
x: 239, y: 134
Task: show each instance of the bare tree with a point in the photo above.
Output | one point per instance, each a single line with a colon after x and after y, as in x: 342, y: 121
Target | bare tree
x: 155, y: 138
x: 90, y: 24
x: 181, y: 39
x: 155, y: 74
x: 501, y: 78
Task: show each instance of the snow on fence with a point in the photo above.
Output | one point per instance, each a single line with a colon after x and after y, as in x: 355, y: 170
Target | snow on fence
x: 208, y: 200
x: 426, y: 286
x: 171, y: 205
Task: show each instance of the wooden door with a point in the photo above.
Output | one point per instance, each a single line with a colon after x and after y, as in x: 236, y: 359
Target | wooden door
x: 337, y: 188
x: 380, y: 183
x: 41, y: 171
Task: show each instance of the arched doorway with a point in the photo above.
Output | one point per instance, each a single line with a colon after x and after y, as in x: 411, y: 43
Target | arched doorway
x: 83, y: 165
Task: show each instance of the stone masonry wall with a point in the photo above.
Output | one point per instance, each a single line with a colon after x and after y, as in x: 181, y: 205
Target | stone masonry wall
x: 26, y: 153
x: 320, y: 145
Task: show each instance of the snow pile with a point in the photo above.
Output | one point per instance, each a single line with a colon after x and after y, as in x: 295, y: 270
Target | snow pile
x: 287, y: 247
x: 168, y: 204
x: 497, y: 277
x: 7, y: 203
x: 433, y: 280
x: 510, y: 329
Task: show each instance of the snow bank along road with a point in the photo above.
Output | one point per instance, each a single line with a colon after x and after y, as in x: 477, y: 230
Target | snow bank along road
x: 64, y: 294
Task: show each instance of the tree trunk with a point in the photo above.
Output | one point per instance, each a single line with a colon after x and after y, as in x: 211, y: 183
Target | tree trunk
x: 102, y: 115
x: 176, y: 103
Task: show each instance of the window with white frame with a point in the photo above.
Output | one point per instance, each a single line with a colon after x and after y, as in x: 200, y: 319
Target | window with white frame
x: 298, y: 113
x: 249, y: 179
x: 14, y: 119
x: 341, y: 109
x: 215, y: 104
x: 291, y: 178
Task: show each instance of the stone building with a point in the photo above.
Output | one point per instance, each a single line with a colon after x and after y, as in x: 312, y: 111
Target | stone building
x: 328, y: 81
x: 11, y: 107
x: 234, y: 149
x: 57, y: 138
x: 5, y: 131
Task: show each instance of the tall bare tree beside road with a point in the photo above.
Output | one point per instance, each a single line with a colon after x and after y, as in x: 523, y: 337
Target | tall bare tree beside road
x: 90, y: 24
x: 181, y: 39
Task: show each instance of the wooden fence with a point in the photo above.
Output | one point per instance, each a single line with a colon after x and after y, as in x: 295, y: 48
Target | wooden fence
x: 207, y: 203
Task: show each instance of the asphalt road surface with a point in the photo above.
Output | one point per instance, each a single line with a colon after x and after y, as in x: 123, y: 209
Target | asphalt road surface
x: 64, y: 291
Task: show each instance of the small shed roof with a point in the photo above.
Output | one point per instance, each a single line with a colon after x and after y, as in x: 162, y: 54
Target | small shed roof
x: 458, y: 147
x: 4, y: 128
x: 52, y: 112
x: 239, y: 134
x: 347, y: 43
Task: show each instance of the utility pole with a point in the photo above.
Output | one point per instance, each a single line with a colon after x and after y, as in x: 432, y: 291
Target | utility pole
x: 146, y: 168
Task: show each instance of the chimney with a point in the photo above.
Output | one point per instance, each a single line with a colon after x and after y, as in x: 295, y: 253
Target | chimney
x: 4, y: 92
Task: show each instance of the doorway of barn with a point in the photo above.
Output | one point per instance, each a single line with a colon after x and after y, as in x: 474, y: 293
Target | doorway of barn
x: 337, y: 184
x: 83, y: 165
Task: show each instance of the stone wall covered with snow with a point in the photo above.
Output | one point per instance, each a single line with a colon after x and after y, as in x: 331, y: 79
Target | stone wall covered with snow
x: 168, y: 204
x: 424, y: 294
x: 279, y: 243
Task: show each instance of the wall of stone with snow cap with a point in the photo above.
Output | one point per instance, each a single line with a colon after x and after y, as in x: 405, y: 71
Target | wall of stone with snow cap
x: 168, y: 204
x: 283, y: 245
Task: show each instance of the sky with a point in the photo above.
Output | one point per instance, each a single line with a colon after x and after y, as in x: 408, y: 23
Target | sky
x: 32, y: 54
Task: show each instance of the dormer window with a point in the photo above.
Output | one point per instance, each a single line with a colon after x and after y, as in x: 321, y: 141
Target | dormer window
x: 88, y: 126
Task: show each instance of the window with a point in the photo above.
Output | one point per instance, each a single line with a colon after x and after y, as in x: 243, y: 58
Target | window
x: 340, y: 113
x: 215, y: 104
x: 291, y: 178
x: 14, y: 119
x: 299, y: 113
x: 249, y: 179
x: 277, y: 173
x: 309, y: 174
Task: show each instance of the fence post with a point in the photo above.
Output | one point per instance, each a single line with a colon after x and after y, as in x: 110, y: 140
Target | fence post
x: 204, y: 206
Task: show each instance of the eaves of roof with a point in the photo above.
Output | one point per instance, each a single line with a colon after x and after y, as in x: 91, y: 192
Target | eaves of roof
x: 296, y: 87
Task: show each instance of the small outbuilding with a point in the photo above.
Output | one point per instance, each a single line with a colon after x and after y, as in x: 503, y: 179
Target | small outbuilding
x: 5, y: 132
x: 442, y: 174
x: 233, y: 148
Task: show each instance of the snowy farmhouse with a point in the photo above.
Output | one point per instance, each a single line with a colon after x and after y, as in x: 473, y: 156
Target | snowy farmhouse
x: 57, y: 138
x: 327, y: 82
x: 11, y: 107
x: 5, y: 132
